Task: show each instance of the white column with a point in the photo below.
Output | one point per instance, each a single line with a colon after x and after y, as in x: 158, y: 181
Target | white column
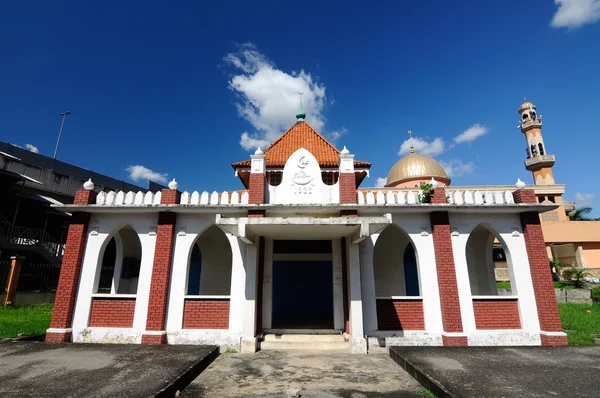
x: 238, y: 282
x: 358, y: 343
x: 267, y: 297
x: 579, y: 257
x: 249, y: 324
x: 369, y: 306
x: 338, y: 286
x: 520, y: 279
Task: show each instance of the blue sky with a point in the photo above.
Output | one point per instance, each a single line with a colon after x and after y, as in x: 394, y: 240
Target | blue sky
x: 185, y: 90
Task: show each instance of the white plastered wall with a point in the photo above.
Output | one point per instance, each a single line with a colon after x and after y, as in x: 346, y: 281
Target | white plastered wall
x: 101, y: 229
x: 418, y: 229
x: 388, y: 263
x: 189, y: 230
x: 215, y: 275
x: 508, y: 229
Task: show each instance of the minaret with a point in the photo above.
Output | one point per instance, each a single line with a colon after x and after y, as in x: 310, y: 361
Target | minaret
x: 538, y: 161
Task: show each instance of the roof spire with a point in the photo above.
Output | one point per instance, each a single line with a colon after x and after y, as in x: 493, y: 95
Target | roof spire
x: 412, y: 147
x: 300, y: 116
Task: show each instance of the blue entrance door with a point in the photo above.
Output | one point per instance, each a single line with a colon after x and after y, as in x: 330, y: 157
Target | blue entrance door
x: 302, y: 294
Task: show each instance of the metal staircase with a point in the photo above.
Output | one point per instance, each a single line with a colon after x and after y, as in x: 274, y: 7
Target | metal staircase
x: 13, y: 237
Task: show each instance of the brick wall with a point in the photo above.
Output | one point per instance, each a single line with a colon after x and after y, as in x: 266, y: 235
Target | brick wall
x: 496, y: 314
x: 256, y: 189
x: 68, y: 282
x: 170, y: 197
x: 399, y: 314
x: 541, y: 276
x: 444, y: 259
x: 347, y: 184
x: 161, y: 272
x: 84, y: 197
x: 112, y: 312
x: 206, y: 314
x: 439, y: 196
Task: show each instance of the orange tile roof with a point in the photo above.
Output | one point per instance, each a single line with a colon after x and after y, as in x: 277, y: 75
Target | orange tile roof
x: 301, y: 135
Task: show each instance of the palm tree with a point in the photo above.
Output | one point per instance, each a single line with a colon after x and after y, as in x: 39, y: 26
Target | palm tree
x: 581, y: 214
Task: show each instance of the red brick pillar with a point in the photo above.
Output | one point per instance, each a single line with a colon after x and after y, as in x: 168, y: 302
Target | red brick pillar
x: 161, y: 272
x: 347, y: 182
x: 446, y: 273
x: 70, y: 270
x: 257, y: 183
x: 541, y: 275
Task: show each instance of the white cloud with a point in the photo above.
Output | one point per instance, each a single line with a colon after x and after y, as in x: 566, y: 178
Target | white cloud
x: 471, y: 134
x: 584, y: 199
x: 456, y: 167
x: 139, y: 172
x: 433, y: 148
x: 31, y: 148
x: 575, y: 13
x: 337, y: 134
x: 380, y: 182
x: 268, y: 97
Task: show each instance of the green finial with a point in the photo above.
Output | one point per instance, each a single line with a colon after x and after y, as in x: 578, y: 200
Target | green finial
x: 300, y: 115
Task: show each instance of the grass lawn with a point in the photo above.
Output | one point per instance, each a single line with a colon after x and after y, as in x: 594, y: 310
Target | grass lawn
x: 580, y: 322
x: 25, y: 321
x: 559, y: 285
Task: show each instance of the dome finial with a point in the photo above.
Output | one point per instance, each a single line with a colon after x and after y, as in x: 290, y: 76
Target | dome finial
x: 412, y: 147
x: 300, y: 116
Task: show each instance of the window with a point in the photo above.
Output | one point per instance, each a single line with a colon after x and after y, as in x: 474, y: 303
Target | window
x: 541, y: 148
x: 274, y: 177
x: 528, y: 153
x: 541, y: 199
x: 329, y: 178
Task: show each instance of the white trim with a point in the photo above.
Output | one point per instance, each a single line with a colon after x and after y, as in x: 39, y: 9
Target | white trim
x: 454, y: 334
x: 206, y: 297
x: 113, y: 296
x: 558, y: 334
x: 151, y: 332
x: 399, y: 298
x: 59, y: 330
x: 490, y: 297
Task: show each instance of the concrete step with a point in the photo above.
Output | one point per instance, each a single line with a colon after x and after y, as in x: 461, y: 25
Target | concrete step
x: 304, y: 337
x: 304, y: 345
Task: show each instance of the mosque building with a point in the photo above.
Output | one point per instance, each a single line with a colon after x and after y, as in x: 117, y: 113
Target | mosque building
x: 304, y: 257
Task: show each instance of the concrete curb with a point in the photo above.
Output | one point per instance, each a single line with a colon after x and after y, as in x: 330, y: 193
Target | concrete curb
x: 419, y: 375
x: 188, y: 375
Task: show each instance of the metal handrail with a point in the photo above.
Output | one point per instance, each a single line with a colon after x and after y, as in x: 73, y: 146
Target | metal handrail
x: 31, y: 237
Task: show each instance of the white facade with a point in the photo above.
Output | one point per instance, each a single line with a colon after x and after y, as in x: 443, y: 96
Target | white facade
x: 239, y: 261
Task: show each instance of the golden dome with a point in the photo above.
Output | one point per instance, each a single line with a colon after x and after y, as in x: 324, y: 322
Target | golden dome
x: 525, y: 106
x: 416, y: 166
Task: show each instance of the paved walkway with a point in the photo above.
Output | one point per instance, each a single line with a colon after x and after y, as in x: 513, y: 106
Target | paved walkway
x: 323, y: 374
x: 36, y: 369
x: 504, y: 371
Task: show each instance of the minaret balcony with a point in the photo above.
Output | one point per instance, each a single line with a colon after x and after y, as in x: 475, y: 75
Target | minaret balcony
x: 531, y: 123
x: 537, y: 162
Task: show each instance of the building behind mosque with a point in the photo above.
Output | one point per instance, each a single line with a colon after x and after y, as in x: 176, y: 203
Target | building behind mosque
x: 304, y: 257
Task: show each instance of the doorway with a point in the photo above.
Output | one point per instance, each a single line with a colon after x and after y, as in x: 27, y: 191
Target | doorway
x: 302, y: 295
x: 302, y: 287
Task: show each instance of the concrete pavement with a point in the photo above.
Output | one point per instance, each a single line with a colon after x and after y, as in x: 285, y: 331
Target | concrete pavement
x: 37, y: 369
x: 507, y: 372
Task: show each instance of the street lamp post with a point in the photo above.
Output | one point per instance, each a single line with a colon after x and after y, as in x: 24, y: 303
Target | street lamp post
x: 64, y: 115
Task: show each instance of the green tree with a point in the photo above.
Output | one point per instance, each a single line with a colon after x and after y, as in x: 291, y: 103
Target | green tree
x: 581, y: 214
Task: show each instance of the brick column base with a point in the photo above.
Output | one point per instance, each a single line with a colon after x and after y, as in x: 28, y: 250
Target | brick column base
x: 58, y: 336
x: 154, y: 338
x: 455, y: 341
x: 553, y: 340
